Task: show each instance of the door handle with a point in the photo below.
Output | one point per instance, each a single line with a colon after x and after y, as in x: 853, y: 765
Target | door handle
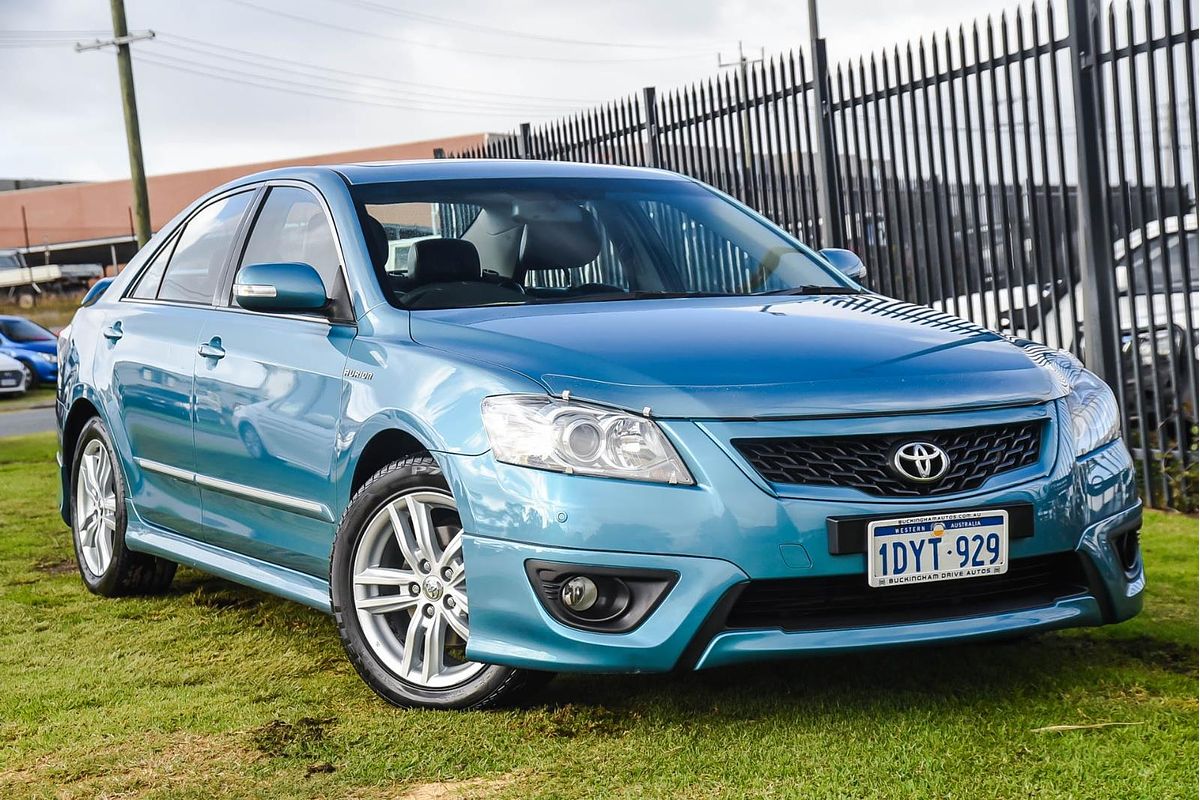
x: 113, y: 332
x: 212, y: 349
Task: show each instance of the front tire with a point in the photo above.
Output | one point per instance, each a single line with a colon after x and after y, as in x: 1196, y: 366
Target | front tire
x: 399, y: 593
x: 98, y: 521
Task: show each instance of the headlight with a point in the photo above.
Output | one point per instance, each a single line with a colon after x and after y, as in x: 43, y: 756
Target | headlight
x: 49, y: 358
x: 565, y: 436
x: 1095, y: 416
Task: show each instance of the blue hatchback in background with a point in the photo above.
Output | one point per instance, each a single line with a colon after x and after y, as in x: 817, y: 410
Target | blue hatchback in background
x: 34, y: 346
x: 503, y: 419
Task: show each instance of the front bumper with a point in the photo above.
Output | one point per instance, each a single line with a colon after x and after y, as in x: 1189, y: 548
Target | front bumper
x: 728, y: 532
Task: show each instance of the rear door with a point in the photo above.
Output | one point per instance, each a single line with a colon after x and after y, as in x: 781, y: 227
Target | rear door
x: 151, y: 343
x: 269, y: 397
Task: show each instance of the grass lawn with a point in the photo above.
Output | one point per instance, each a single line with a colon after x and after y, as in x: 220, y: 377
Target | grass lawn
x: 41, y: 396
x: 219, y: 691
x: 53, y: 311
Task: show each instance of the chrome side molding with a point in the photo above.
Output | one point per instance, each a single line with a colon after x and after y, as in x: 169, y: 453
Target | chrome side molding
x: 297, y: 505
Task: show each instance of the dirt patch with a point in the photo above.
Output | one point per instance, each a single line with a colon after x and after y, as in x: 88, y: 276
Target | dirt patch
x: 440, y: 790
x: 56, y: 566
x: 278, y: 738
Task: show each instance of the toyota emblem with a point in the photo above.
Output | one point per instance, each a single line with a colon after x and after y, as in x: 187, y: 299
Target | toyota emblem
x: 920, y: 462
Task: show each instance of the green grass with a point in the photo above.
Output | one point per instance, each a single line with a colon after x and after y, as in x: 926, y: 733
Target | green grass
x: 216, y: 690
x: 41, y: 396
x: 53, y: 311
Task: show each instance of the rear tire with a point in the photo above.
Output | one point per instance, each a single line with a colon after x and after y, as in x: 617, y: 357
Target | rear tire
x: 399, y: 593
x: 98, y: 521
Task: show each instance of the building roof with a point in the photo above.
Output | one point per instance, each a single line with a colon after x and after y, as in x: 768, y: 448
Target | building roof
x: 87, y: 212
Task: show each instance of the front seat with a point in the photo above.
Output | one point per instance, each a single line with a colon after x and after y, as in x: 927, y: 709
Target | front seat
x: 446, y: 273
x: 443, y: 261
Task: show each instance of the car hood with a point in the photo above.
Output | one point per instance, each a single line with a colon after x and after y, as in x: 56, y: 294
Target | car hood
x: 748, y: 357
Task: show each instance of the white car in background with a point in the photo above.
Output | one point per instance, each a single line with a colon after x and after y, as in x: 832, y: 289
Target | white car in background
x: 1158, y: 305
x: 12, y: 377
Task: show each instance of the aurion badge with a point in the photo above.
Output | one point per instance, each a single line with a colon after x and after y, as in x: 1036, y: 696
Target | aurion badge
x: 920, y: 462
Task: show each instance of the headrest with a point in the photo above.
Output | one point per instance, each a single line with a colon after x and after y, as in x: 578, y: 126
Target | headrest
x: 559, y: 244
x: 443, y: 260
x: 377, y: 240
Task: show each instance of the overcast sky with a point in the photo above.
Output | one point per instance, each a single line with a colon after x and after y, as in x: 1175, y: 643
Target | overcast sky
x: 235, y: 81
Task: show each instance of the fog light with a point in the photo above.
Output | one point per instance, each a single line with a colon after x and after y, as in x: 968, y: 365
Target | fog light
x: 579, y: 593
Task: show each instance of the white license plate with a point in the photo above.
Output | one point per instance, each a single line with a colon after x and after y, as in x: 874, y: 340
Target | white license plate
x: 8, y: 383
x: 937, y: 547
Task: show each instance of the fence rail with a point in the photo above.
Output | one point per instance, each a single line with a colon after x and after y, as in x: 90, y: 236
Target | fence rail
x: 1035, y: 173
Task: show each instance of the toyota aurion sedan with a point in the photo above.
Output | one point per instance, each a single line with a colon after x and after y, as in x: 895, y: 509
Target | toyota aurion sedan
x: 504, y: 419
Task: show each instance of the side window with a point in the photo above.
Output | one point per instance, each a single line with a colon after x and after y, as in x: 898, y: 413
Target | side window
x: 292, y: 227
x: 148, y: 283
x: 195, y: 266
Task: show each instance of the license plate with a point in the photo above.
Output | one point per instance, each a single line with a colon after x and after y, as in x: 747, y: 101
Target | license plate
x: 937, y: 547
x: 8, y: 383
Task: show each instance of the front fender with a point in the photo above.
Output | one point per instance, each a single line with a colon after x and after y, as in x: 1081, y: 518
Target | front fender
x: 395, y: 384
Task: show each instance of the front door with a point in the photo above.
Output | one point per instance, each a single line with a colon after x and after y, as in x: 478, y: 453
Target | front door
x: 268, y: 398
x: 151, y: 340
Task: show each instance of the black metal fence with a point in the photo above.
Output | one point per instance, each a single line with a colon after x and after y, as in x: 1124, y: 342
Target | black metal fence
x: 1035, y: 173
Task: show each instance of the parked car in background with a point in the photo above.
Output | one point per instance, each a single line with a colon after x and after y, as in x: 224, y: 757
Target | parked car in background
x: 23, y: 283
x: 33, y: 346
x: 605, y: 419
x: 12, y: 377
x: 1158, y: 310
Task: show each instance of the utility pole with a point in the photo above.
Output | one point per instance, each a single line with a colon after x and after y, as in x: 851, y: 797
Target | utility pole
x: 133, y: 135
x: 743, y: 65
x: 828, y: 198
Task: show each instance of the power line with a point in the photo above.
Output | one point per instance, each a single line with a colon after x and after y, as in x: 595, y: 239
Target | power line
x: 202, y: 47
x: 155, y: 61
x: 71, y: 34
x: 342, y: 85
x: 470, y: 51
x: 474, y: 26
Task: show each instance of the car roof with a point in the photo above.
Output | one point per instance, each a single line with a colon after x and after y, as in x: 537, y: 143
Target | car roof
x: 464, y: 169
x: 1154, y: 229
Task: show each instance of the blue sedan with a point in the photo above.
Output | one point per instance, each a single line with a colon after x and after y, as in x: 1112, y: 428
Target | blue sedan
x: 502, y: 419
x: 32, y: 345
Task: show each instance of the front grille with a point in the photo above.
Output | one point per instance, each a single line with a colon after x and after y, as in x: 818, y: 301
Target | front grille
x: 846, y: 601
x: 12, y: 376
x: 864, y: 462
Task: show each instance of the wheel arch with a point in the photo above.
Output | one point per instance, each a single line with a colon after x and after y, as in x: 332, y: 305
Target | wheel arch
x: 81, y: 410
x: 382, y: 448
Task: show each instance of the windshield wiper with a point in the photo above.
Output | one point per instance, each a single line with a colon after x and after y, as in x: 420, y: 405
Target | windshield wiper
x: 632, y: 295
x: 811, y: 289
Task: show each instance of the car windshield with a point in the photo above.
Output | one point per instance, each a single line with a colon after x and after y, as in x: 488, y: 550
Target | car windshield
x: 494, y: 242
x: 1164, y: 274
x: 22, y: 330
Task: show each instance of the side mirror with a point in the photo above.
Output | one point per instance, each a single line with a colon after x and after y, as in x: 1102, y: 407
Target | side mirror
x: 280, y: 287
x: 846, y: 262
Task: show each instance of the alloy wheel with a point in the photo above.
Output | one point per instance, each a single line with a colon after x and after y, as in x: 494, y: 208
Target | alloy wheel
x: 410, y: 591
x: 96, y: 507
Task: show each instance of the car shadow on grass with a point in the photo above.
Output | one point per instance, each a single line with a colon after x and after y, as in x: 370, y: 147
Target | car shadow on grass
x: 933, y: 676
x: 985, y: 671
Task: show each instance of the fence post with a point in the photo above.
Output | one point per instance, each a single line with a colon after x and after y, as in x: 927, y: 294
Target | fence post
x: 650, y: 106
x: 439, y: 152
x: 828, y: 197
x: 1100, y: 332
x: 525, y: 142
